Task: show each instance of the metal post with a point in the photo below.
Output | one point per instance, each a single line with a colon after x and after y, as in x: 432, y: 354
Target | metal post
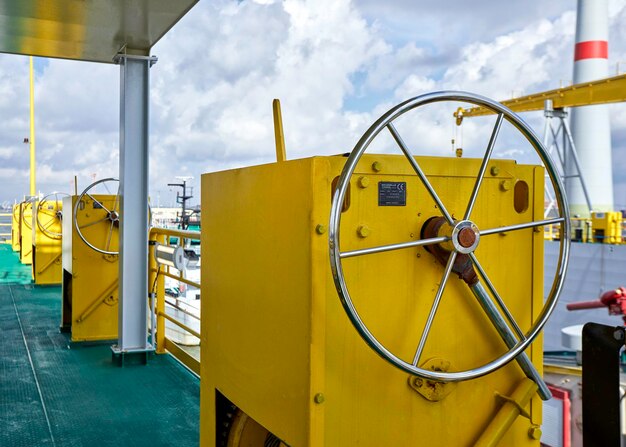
x: 33, y: 187
x: 576, y: 162
x: 601, y: 394
x: 133, y: 261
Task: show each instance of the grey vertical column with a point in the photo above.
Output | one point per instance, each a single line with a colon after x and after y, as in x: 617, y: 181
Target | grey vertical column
x: 133, y: 261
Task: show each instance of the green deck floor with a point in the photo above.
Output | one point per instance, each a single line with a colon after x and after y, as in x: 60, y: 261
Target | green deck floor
x: 78, y: 396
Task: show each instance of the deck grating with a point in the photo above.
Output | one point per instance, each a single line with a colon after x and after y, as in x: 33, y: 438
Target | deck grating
x: 90, y: 401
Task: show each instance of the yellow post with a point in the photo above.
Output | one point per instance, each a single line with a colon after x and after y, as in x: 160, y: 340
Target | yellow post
x: 157, y: 282
x: 33, y: 189
x: 279, y: 135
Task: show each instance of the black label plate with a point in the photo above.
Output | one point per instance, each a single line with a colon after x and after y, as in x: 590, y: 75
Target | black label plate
x: 391, y: 193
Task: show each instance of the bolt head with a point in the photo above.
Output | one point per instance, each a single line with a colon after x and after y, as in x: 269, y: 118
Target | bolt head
x: 363, y: 231
x: 534, y: 432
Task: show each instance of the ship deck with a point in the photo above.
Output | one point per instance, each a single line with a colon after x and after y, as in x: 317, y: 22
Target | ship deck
x: 57, y: 394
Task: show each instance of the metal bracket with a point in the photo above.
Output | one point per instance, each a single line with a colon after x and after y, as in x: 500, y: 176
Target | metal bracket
x: 120, y: 58
x: 432, y: 390
x: 503, y: 398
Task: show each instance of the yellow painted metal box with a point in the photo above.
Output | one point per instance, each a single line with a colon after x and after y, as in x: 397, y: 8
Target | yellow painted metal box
x: 15, y: 227
x: 26, y: 232
x: 607, y: 227
x: 277, y: 343
x: 90, y: 278
x: 46, y: 266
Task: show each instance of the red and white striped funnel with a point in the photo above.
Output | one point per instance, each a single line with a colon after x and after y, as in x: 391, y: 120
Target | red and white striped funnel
x: 590, y: 124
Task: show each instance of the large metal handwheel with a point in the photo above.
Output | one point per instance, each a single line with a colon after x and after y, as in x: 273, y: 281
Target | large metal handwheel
x: 104, y: 216
x: 464, y: 236
x: 26, y: 204
x: 55, y: 214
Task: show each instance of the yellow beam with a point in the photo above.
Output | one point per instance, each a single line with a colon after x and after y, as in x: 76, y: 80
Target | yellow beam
x: 507, y: 414
x: 602, y: 91
x: 183, y: 356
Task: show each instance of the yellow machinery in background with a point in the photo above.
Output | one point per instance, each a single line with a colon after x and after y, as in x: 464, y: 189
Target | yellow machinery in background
x: 46, y: 265
x: 26, y: 231
x: 606, y: 227
x: 15, y: 227
x: 439, y: 273
x: 90, y: 265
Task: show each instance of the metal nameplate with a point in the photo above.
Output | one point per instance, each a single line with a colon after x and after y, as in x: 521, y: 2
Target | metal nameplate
x: 391, y: 193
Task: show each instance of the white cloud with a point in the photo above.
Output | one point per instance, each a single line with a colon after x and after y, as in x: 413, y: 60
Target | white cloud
x: 335, y: 65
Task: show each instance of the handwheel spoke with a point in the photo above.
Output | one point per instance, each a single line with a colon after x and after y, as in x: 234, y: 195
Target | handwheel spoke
x: 117, y: 198
x: 48, y: 225
x: 497, y: 297
x: 522, y: 226
x: 420, y: 173
x: 483, y: 166
x: 94, y: 222
x: 433, y: 309
x: 98, y: 202
x: 47, y: 212
x: 383, y: 248
x: 108, y: 245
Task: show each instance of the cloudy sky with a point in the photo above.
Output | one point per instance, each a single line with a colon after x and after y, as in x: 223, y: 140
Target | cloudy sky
x: 336, y: 65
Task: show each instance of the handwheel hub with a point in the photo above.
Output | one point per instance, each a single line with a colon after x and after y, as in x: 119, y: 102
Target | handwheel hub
x: 465, y: 236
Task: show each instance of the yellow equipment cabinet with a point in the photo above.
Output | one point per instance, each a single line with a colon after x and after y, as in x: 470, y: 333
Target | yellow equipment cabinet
x: 26, y: 232
x: 90, y: 267
x: 607, y: 227
x: 46, y: 266
x: 15, y: 227
x: 282, y: 361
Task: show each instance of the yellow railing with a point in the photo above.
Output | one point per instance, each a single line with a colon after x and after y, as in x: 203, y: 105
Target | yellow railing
x: 583, y: 231
x: 158, y: 301
x: 5, y: 238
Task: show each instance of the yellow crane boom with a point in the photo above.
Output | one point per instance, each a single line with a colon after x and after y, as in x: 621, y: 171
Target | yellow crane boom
x: 602, y: 91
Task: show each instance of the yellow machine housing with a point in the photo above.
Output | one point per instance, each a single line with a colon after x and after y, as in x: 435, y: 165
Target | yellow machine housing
x: 26, y: 232
x: 46, y: 266
x: 277, y: 343
x: 607, y: 227
x: 15, y: 227
x: 90, y: 279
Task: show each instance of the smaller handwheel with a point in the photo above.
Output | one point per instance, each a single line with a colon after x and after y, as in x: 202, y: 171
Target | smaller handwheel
x: 27, y: 204
x: 49, y: 206
x: 107, y: 216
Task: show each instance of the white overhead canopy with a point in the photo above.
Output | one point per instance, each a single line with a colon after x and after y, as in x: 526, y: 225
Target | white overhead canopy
x: 88, y: 30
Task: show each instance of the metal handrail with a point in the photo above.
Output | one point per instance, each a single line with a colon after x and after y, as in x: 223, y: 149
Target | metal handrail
x: 177, y: 277
x: 179, y: 324
x: 185, y: 311
x: 156, y: 278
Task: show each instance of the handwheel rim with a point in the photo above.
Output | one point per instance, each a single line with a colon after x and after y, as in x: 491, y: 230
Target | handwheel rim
x: 75, y: 218
x: 334, y: 235
x: 44, y: 230
x: 27, y: 203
